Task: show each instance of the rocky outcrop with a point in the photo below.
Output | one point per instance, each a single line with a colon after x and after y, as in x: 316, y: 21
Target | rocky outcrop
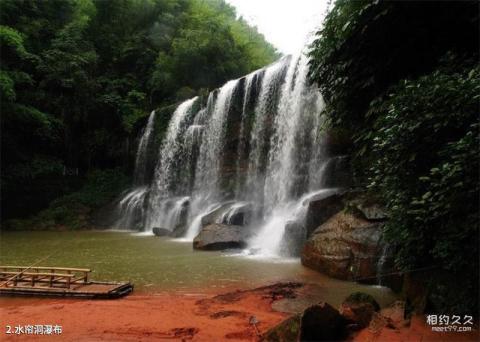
x: 239, y: 214
x: 345, y: 247
x: 161, y: 231
x: 368, y: 208
x: 321, y: 207
x: 359, y: 308
x: 286, y: 331
x: 219, y: 236
x: 232, y: 213
x: 215, y: 215
x: 320, y: 322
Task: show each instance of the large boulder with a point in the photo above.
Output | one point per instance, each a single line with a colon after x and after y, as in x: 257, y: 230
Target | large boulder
x: 161, y: 231
x: 216, y: 214
x: 219, y: 236
x: 238, y: 214
x: 231, y: 213
x: 320, y: 322
x: 321, y: 207
x: 345, y: 247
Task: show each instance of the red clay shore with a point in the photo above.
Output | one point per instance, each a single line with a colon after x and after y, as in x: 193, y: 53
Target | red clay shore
x: 180, y: 317
x: 148, y: 317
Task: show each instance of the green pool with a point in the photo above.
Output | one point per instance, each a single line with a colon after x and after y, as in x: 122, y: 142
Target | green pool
x: 157, y: 265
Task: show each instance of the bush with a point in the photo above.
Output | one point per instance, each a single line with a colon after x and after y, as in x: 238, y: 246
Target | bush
x: 425, y: 147
x: 402, y: 78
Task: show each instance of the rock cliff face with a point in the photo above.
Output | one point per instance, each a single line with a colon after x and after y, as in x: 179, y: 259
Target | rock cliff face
x: 346, y: 246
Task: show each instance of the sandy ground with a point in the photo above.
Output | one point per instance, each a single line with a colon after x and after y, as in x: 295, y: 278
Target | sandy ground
x: 147, y: 318
x: 182, y: 317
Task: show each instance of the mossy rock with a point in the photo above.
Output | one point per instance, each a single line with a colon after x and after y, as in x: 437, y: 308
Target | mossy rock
x: 360, y: 298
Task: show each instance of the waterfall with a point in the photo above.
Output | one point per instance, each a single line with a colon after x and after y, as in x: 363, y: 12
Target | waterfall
x: 381, y: 263
x: 211, y: 150
x: 172, y: 169
x: 206, y: 192
x: 131, y: 205
x: 259, y: 137
x: 293, y: 125
x: 298, y: 119
x: 247, y: 91
x: 131, y: 208
x: 250, y: 153
x: 141, y: 156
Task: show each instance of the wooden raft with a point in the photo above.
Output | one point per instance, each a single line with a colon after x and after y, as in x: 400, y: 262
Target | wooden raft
x: 57, y: 281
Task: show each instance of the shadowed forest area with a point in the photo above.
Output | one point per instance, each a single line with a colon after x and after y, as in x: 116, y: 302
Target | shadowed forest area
x: 79, y: 78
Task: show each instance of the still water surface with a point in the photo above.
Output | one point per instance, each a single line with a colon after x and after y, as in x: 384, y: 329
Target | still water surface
x: 157, y: 265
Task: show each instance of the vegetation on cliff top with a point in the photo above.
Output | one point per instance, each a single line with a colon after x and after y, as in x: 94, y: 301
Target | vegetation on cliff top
x: 403, y: 79
x: 76, y: 76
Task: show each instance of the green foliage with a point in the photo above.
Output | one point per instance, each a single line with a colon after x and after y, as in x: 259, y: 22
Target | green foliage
x: 366, y: 46
x: 425, y: 147
x: 7, y: 90
x: 403, y: 79
x: 12, y: 41
x: 77, y: 76
x: 210, y: 47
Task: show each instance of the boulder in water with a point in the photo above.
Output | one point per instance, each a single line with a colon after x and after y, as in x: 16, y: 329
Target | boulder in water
x: 239, y: 214
x: 161, y: 231
x: 231, y: 213
x: 219, y: 236
x: 345, y: 247
x: 215, y: 215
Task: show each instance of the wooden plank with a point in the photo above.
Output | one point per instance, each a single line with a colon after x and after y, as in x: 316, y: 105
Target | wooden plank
x: 49, y: 268
x: 29, y: 274
x: 90, y: 290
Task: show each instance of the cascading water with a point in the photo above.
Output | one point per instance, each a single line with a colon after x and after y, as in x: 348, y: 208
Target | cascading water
x: 250, y: 81
x: 131, y: 205
x: 252, y: 154
x: 172, y: 175
x: 287, y: 172
x: 141, y: 156
x: 208, y: 167
x: 260, y: 132
x: 206, y: 192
